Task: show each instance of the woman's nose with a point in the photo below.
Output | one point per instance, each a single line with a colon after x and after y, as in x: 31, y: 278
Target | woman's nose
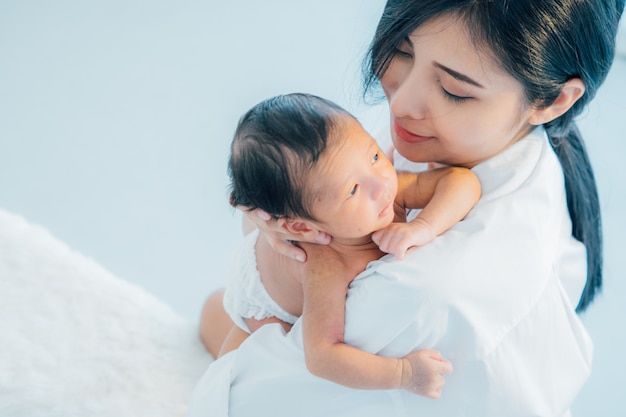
x: 408, y: 99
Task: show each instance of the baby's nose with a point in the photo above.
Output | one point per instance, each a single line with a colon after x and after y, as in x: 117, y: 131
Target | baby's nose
x: 380, y: 188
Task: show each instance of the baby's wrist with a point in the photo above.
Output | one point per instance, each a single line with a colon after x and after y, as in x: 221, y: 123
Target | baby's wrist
x: 405, y: 373
x: 424, y: 226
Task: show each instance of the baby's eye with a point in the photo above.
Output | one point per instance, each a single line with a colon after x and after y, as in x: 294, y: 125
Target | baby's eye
x: 353, y: 190
x: 375, y: 157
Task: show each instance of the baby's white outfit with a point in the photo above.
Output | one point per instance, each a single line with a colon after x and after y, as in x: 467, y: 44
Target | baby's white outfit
x: 246, y: 296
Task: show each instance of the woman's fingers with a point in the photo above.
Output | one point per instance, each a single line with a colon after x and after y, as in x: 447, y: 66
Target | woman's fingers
x: 262, y: 215
x: 323, y: 238
x: 286, y: 248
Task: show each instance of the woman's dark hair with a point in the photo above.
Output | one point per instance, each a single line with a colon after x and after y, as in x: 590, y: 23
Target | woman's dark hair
x: 275, y: 145
x: 542, y: 44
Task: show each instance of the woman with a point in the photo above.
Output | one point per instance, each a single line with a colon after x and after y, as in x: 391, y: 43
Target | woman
x: 494, y: 86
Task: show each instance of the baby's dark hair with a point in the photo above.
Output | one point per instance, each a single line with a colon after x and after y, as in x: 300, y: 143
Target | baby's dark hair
x: 276, y: 143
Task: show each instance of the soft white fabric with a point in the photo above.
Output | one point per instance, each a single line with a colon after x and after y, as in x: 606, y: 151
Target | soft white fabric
x: 246, y: 296
x: 76, y: 341
x: 496, y: 294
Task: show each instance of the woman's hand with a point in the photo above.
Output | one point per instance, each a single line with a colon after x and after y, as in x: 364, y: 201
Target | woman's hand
x: 423, y: 372
x: 278, y: 238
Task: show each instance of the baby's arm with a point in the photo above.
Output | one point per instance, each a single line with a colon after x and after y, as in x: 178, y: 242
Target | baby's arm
x: 446, y: 195
x: 327, y: 355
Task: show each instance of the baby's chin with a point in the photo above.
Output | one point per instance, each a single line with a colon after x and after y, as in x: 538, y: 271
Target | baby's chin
x: 387, y: 219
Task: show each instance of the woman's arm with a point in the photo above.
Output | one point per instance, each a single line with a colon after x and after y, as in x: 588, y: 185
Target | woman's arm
x: 446, y: 196
x: 327, y: 355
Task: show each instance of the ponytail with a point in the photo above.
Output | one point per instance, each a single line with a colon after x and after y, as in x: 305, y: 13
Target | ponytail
x: 582, y: 202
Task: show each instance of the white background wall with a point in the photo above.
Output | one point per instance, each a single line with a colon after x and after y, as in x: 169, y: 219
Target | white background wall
x: 116, y: 116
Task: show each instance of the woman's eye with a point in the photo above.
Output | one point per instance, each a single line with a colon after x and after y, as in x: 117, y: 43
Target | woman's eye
x: 454, y: 97
x: 402, y: 53
x: 404, y: 49
x: 353, y: 190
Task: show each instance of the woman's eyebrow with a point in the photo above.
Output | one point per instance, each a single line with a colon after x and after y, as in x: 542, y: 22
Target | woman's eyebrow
x: 457, y: 75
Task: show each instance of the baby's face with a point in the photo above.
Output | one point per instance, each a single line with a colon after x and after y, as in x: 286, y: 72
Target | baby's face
x: 354, y: 184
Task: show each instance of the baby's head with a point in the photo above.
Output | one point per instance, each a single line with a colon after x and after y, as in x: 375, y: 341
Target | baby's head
x: 299, y: 156
x: 276, y: 145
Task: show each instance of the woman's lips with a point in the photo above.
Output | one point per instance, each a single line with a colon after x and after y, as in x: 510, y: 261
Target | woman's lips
x: 407, y: 136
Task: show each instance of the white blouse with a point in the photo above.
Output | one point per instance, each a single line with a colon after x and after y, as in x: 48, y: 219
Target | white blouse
x: 495, y: 294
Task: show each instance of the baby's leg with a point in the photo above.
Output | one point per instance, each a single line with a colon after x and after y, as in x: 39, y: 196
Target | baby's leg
x: 234, y: 339
x: 254, y: 324
x: 215, y: 324
x: 236, y: 336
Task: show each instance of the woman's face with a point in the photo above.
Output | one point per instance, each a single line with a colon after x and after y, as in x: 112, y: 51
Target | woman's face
x: 448, y: 102
x: 353, y: 184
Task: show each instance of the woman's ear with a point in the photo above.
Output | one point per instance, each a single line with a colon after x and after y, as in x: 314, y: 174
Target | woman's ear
x: 571, y: 92
x: 304, y: 229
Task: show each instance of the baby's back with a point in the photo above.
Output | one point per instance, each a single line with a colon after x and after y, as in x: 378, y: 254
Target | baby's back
x: 280, y: 276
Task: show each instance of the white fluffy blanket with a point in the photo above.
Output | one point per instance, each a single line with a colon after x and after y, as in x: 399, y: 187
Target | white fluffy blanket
x: 77, y: 341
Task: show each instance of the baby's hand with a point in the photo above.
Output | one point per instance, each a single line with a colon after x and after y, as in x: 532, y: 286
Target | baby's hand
x: 423, y: 373
x: 397, y: 238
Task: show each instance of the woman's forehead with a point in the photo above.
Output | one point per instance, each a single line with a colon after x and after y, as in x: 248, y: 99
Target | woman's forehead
x: 449, y: 41
x: 446, y: 43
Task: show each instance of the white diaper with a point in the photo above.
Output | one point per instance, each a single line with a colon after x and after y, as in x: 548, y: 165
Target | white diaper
x: 246, y: 296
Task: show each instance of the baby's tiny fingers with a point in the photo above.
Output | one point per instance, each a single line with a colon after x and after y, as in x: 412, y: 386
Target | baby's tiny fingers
x: 446, y: 367
x: 435, y: 394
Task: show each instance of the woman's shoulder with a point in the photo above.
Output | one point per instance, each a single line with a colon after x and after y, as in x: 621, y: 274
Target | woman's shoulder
x: 530, y: 162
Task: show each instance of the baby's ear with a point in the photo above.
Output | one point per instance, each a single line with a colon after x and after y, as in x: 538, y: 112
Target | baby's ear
x: 305, y: 230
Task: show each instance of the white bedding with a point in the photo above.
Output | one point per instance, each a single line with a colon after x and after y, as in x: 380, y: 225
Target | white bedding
x: 77, y: 341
